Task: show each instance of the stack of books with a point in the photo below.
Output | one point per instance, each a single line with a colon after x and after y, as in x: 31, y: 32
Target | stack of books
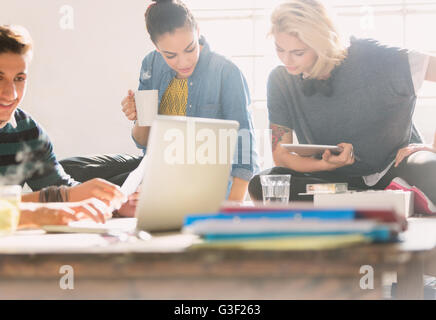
x: 289, y: 227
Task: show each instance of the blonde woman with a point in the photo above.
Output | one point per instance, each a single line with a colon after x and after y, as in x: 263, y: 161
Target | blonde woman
x: 359, y: 96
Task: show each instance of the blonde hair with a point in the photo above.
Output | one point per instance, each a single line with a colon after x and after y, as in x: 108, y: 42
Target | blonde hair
x: 309, y: 21
x: 15, y: 39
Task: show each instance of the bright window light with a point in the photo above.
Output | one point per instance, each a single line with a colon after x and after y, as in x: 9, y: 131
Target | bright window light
x: 238, y: 29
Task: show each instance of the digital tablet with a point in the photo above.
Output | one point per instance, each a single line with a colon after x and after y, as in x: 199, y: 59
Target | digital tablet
x: 307, y: 150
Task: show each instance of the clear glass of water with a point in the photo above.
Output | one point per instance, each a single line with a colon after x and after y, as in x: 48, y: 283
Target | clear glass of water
x: 10, y: 198
x: 275, y: 188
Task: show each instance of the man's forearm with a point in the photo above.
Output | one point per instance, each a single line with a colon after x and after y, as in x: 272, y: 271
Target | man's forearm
x: 30, y: 197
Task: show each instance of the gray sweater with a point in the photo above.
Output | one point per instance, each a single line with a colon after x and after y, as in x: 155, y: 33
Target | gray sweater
x: 371, y: 106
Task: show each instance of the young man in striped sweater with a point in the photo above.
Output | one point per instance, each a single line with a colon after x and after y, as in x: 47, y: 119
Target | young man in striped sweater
x: 26, y: 153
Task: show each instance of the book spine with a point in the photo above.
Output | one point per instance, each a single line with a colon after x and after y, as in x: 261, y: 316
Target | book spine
x: 312, y: 214
x: 379, y: 234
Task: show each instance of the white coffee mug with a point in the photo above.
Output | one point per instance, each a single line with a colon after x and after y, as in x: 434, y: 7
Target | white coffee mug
x: 146, y: 106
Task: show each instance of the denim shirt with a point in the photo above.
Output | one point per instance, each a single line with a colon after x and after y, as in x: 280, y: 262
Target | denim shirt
x: 217, y: 89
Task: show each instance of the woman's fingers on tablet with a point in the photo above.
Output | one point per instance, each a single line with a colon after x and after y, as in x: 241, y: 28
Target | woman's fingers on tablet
x: 347, y: 154
x: 346, y: 157
x: 326, y: 155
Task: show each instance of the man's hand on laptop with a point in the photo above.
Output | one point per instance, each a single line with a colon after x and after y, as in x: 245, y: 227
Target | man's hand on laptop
x: 61, y: 213
x: 100, y: 189
x: 129, y: 207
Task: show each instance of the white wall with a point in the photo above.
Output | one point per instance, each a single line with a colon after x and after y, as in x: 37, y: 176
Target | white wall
x: 78, y: 77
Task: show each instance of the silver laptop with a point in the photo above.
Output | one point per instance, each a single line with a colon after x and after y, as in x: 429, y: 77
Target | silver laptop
x: 186, y: 170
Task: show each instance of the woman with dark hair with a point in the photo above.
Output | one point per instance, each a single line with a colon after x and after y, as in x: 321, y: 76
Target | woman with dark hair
x: 192, y: 81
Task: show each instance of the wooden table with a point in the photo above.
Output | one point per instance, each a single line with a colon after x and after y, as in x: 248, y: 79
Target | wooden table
x: 165, y: 268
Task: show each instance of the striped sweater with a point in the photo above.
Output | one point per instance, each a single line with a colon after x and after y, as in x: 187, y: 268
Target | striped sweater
x: 26, y: 156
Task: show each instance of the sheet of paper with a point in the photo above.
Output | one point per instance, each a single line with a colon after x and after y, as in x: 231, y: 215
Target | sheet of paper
x: 134, y: 179
x: 248, y: 226
x: 50, y: 242
x: 88, y: 226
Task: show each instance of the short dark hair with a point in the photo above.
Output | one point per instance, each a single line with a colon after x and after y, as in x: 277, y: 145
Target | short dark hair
x: 164, y: 16
x: 15, y: 39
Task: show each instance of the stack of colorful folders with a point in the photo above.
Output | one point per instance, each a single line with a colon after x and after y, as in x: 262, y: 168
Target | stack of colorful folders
x: 285, y: 228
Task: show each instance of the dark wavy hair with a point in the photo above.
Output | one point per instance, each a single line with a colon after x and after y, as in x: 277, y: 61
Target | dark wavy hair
x: 164, y: 16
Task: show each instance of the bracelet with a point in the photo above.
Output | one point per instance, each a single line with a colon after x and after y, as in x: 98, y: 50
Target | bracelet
x: 64, y: 191
x: 54, y: 194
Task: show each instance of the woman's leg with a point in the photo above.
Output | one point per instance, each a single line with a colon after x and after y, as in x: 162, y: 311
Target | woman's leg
x: 419, y: 170
x: 114, y: 168
x: 300, y: 180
